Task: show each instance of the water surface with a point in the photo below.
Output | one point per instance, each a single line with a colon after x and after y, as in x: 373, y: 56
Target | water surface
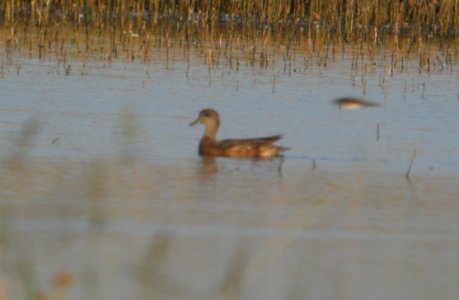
x: 101, y: 179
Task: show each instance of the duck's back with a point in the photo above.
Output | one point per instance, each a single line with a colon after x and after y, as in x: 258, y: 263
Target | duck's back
x: 255, y: 147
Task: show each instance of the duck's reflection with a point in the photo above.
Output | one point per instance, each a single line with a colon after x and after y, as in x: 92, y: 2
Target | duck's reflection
x: 207, y: 167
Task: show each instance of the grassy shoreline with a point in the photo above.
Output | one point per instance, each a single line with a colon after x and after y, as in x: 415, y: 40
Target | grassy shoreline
x: 350, y: 19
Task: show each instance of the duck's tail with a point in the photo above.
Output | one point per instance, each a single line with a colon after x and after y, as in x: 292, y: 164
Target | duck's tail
x: 282, y: 149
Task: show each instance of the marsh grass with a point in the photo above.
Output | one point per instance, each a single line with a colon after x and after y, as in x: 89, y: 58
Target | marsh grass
x: 73, y: 49
x: 232, y: 35
x: 349, y: 19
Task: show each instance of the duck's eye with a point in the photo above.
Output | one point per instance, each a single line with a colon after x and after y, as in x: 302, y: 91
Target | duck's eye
x: 206, y: 114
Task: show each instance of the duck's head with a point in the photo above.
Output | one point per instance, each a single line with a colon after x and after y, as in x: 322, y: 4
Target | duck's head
x: 208, y: 117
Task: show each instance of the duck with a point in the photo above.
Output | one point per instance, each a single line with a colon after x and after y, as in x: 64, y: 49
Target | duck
x: 262, y: 147
x: 349, y: 103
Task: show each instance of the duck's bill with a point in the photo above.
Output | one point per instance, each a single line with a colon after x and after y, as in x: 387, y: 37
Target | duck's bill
x: 194, y: 122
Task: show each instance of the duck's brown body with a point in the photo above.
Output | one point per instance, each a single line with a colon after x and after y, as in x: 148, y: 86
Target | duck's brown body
x: 354, y: 103
x: 255, y: 147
